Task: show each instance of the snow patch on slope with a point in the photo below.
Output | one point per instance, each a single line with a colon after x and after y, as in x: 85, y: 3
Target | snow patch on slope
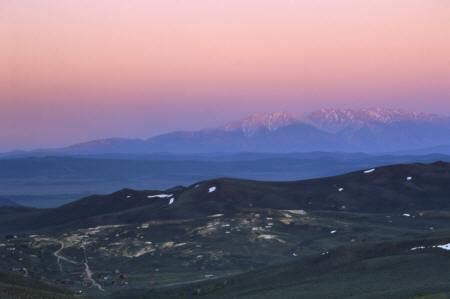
x: 160, y: 196
x: 260, y: 121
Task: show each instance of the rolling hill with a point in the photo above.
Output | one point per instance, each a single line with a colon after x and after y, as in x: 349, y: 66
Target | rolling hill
x: 398, y: 188
x: 53, y: 181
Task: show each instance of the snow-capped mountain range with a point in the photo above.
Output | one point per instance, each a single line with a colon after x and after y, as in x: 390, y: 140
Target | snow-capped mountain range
x: 334, y: 120
x: 373, y: 130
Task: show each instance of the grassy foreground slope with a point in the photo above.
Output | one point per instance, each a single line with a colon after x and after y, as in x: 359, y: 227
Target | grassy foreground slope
x: 383, y: 270
x: 17, y: 287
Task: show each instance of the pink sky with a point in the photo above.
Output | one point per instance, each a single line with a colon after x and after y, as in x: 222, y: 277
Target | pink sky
x: 73, y: 70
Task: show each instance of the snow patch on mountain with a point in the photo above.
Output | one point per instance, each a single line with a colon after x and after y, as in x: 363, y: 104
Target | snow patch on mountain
x: 260, y: 121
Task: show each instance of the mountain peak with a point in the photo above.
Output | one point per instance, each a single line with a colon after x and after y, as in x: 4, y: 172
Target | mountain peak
x: 337, y: 119
x: 261, y: 121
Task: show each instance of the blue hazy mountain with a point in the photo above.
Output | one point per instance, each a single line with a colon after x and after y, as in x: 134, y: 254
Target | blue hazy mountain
x: 5, y: 202
x: 374, y: 130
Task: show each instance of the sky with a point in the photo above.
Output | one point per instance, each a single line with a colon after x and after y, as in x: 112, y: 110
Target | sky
x: 77, y: 70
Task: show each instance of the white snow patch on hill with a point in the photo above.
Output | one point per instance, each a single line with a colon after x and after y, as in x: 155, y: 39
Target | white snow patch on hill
x: 417, y: 248
x: 215, y: 216
x: 369, y: 171
x: 444, y: 246
x: 160, y: 196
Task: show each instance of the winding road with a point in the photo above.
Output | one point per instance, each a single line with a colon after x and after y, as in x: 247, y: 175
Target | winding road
x: 59, y: 257
x: 89, y: 273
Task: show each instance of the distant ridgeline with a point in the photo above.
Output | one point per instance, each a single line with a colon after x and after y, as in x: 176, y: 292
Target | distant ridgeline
x: 374, y: 130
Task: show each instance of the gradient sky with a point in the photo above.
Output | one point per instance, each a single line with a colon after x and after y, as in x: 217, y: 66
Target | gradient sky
x: 74, y: 70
